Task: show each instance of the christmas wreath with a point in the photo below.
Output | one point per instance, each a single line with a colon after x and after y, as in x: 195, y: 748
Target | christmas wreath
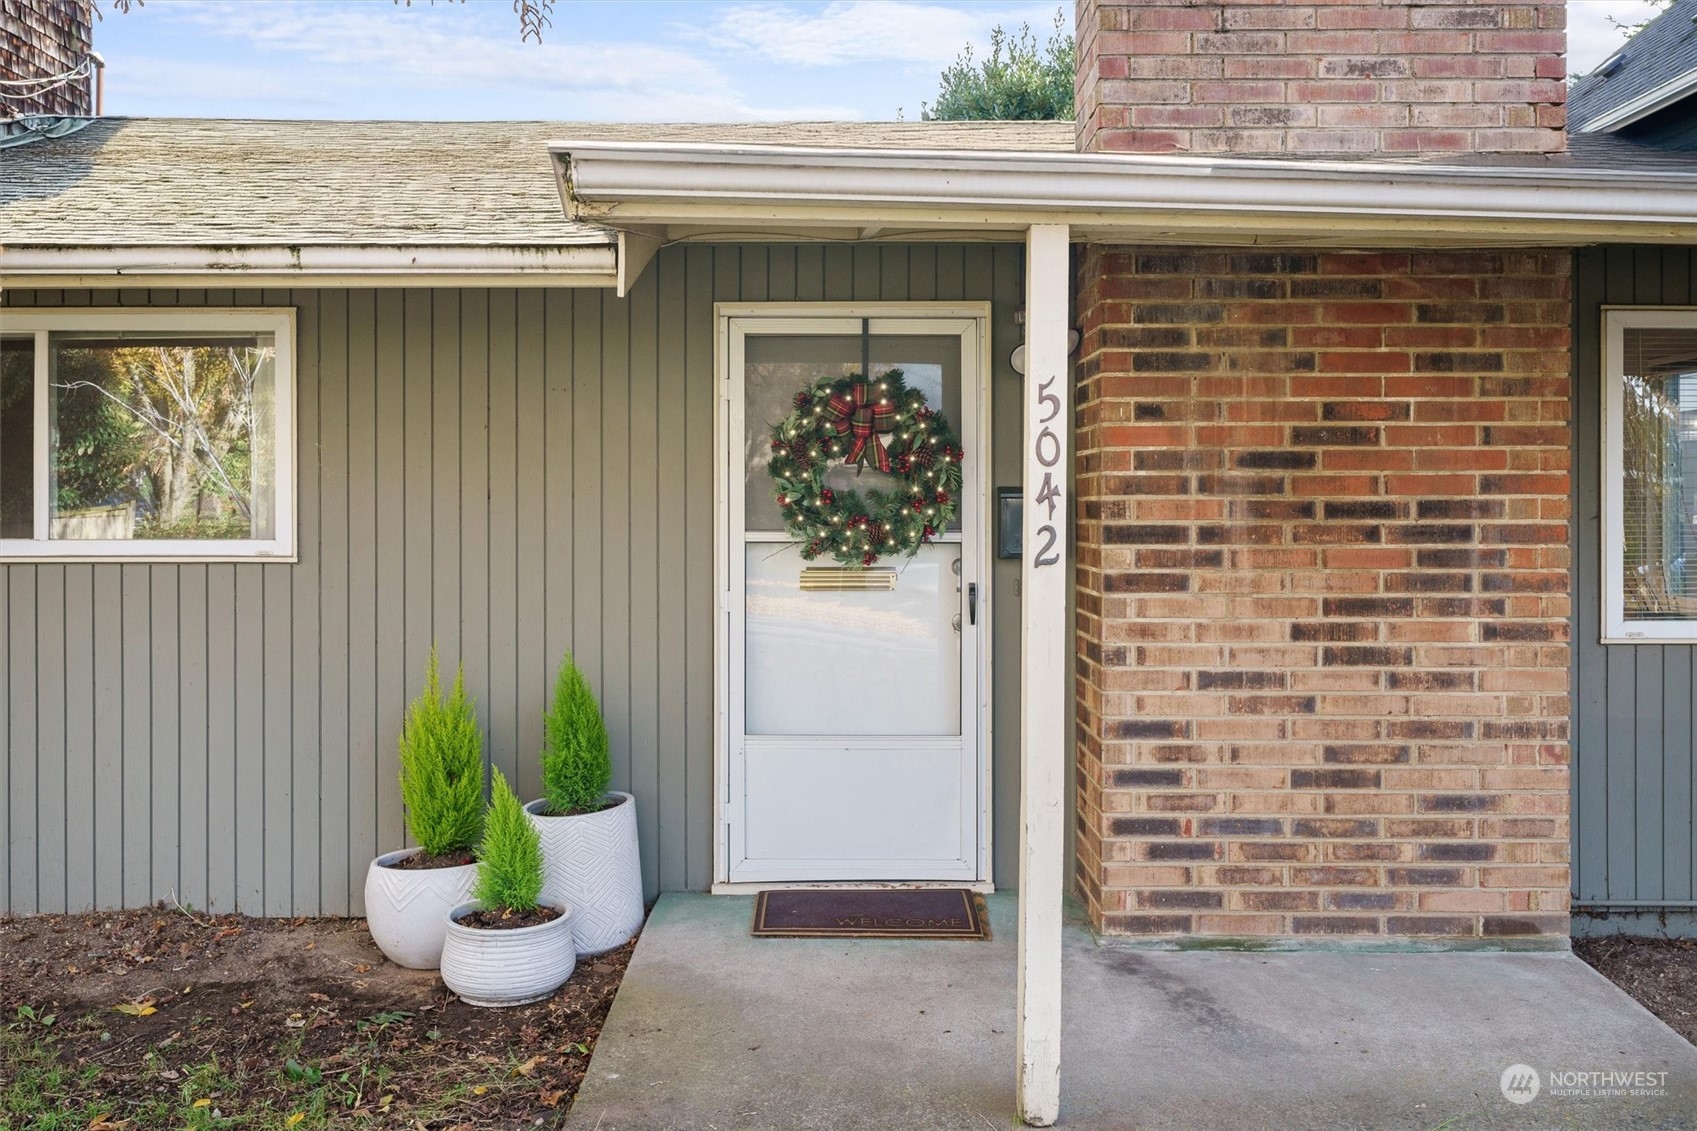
x: 879, y: 423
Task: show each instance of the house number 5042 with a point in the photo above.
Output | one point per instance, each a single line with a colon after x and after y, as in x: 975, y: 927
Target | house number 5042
x: 1046, y: 446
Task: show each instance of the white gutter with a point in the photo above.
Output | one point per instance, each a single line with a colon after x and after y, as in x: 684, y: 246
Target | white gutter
x: 690, y: 184
x: 310, y: 266
x: 1644, y: 105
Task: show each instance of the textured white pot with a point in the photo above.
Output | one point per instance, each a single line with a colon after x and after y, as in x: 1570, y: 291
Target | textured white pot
x: 591, y: 862
x: 502, y: 968
x: 407, y: 909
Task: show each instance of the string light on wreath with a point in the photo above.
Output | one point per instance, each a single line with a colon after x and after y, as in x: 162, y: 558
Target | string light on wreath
x: 883, y: 424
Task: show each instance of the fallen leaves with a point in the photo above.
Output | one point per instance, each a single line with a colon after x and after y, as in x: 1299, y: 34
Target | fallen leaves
x: 342, y: 1007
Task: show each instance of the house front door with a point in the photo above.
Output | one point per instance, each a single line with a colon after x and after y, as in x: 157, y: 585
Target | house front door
x: 851, y: 700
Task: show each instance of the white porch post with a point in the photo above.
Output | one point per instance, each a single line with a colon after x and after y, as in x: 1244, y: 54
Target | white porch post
x: 1045, y: 667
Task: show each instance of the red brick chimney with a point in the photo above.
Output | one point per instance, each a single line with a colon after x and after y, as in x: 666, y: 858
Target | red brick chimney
x: 40, y: 39
x: 1390, y: 77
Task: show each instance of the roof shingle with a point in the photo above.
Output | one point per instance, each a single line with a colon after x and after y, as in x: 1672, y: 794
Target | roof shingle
x: 228, y: 182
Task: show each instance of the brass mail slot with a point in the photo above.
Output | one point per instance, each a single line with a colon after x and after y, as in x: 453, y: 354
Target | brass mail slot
x: 820, y: 579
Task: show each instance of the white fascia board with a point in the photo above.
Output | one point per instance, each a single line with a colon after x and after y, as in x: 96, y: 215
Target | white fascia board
x: 622, y: 183
x: 304, y: 266
x: 1656, y: 98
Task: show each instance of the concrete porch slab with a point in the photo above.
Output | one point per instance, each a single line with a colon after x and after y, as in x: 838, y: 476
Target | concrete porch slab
x: 716, y: 1030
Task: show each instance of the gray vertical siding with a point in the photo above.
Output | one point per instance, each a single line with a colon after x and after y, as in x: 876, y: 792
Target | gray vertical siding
x: 1635, y: 705
x: 510, y: 473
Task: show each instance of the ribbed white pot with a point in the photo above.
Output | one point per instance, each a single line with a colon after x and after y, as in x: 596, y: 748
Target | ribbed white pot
x: 502, y: 968
x: 407, y: 908
x: 591, y: 861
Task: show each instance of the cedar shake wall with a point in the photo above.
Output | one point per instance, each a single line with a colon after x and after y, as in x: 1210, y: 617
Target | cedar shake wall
x: 1323, y: 592
x: 40, y: 38
x: 1321, y: 76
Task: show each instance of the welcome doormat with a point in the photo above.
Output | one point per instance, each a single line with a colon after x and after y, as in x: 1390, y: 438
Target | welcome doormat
x: 829, y: 913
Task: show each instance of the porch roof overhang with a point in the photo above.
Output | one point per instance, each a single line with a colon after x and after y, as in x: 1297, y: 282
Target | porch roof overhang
x: 584, y: 264
x: 672, y: 191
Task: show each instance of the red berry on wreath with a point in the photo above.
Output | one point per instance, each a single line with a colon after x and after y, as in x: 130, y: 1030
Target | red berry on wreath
x: 868, y: 558
x: 918, y: 505
x: 942, y: 498
x: 827, y: 496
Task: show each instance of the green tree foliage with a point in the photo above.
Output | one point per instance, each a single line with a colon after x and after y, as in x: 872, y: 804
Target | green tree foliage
x: 442, y: 766
x: 98, y: 441
x: 576, y: 766
x: 509, y: 863
x: 1019, y: 81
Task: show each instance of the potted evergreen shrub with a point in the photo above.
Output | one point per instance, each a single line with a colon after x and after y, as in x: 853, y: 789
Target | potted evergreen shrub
x: 589, y: 849
x: 509, y: 945
x: 408, y: 892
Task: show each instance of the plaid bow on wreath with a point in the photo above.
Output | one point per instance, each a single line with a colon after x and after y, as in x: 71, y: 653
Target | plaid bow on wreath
x: 856, y: 414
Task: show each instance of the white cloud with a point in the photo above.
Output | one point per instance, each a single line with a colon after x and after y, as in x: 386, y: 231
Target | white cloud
x: 866, y: 31
x: 361, y: 60
x: 1591, y: 38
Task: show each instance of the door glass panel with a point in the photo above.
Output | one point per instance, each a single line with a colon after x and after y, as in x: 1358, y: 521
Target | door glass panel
x: 781, y: 365
x: 877, y: 662
x: 778, y: 367
x: 931, y: 364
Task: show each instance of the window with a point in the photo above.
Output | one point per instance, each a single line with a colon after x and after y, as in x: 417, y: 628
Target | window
x: 152, y: 434
x: 1650, y: 474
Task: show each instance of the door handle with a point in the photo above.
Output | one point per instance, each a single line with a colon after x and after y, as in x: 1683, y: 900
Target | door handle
x: 972, y: 602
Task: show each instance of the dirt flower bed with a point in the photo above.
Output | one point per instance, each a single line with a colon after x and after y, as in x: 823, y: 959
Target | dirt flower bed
x: 1660, y: 973
x: 159, y: 1018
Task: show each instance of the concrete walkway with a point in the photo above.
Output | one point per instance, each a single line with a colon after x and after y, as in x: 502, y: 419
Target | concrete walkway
x: 714, y: 1029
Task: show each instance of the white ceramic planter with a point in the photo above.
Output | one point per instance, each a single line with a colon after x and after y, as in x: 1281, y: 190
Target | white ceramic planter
x: 407, y: 909
x: 590, y: 861
x: 502, y: 968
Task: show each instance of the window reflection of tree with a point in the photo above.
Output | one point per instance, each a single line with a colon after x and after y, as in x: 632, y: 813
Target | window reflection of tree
x: 172, y: 427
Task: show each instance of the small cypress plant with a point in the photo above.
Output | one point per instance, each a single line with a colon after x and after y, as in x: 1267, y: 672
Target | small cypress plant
x: 576, y: 766
x: 442, y: 767
x: 509, y: 863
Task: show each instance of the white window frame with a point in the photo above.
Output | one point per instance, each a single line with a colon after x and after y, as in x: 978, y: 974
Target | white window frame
x: 1616, y: 628
x: 40, y: 323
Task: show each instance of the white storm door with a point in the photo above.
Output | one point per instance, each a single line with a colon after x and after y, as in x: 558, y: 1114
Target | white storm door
x: 853, y: 715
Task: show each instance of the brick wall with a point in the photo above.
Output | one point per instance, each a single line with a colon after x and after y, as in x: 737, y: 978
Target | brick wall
x: 1321, y: 76
x: 1323, y: 592
x: 39, y: 38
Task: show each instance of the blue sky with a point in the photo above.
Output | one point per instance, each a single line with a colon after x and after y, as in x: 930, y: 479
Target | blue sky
x: 600, y: 61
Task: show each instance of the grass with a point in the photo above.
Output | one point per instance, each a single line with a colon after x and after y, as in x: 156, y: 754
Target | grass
x: 53, y: 1086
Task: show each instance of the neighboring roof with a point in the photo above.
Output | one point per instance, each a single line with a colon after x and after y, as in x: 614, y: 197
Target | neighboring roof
x: 227, y: 182
x: 1654, y: 69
